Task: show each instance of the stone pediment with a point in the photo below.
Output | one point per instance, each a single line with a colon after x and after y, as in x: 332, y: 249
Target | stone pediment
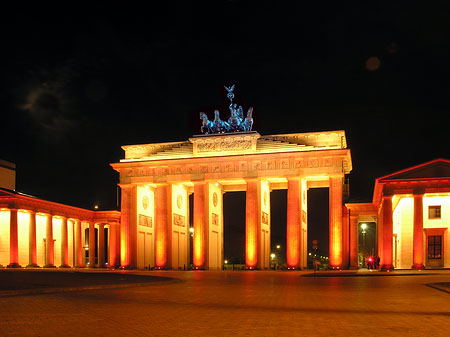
x: 225, y: 144
x: 236, y: 143
x: 439, y: 168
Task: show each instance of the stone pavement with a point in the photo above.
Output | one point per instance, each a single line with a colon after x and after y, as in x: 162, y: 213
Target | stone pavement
x: 240, y: 303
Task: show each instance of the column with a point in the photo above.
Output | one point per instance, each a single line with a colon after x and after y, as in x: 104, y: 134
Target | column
x: 32, y: 257
x: 354, y: 241
x: 418, y: 232
x: 13, y: 240
x: 335, y: 221
x: 64, y: 244
x: 251, y: 224
x: 78, y: 245
x: 112, y: 245
x: 293, y: 223
x: 386, y: 258
x: 128, y: 227
x: 92, y: 244
x: 161, y: 239
x: 101, y: 245
x: 50, y: 244
x: 199, y: 245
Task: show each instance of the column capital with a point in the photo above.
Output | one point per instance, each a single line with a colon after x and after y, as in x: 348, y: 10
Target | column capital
x: 419, y: 191
x: 388, y: 197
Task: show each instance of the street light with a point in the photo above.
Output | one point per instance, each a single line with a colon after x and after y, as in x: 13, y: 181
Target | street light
x: 363, y: 232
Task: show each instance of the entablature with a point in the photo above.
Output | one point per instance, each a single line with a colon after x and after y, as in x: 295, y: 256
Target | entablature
x: 315, y: 163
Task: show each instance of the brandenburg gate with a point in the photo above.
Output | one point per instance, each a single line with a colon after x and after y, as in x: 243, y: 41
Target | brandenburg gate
x: 157, y: 179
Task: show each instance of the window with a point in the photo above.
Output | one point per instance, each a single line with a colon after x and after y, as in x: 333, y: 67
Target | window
x: 434, y: 212
x: 434, y: 246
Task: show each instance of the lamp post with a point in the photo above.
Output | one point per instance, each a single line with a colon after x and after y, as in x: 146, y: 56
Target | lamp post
x: 363, y: 232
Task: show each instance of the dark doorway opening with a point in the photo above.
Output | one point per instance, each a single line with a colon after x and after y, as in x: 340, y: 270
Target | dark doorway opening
x: 234, y: 227
x: 318, y: 225
x: 278, y: 218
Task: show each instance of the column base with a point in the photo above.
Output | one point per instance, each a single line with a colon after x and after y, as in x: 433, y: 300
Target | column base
x: 64, y: 266
x: 49, y: 266
x: 418, y: 266
x: 32, y: 265
x: 13, y: 265
x: 90, y: 266
x: 387, y: 267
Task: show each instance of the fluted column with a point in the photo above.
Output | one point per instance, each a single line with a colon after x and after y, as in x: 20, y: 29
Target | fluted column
x: 92, y: 244
x: 354, y: 242
x: 386, y: 258
x: 78, y: 245
x: 64, y: 244
x: 50, y: 244
x: 418, y: 232
x: 161, y: 239
x: 293, y: 224
x: 32, y: 253
x: 199, y: 244
x: 13, y: 240
x: 101, y: 245
x: 335, y: 210
x: 128, y: 227
x: 251, y: 224
x: 112, y: 245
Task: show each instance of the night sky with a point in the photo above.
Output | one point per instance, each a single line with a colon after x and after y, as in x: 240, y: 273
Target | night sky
x: 77, y: 82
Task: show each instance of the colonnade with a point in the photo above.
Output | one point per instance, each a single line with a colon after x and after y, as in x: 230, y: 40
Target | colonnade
x: 386, y: 244
x: 78, y: 248
x: 170, y: 236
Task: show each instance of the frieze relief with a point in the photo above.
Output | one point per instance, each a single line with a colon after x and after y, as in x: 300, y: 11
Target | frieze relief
x: 265, y: 218
x: 215, y: 219
x: 241, y: 166
x: 227, y: 145
x: 179, y: 220
x: 145, y: 220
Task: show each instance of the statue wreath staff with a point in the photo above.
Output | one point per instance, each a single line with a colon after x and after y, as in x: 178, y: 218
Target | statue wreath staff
x: 236, y: 122
x: 230, y: 94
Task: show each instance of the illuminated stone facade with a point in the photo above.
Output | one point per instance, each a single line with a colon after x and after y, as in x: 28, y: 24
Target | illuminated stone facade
x: 39, y: 233
x: 412, y: 211
x: 162, y: 176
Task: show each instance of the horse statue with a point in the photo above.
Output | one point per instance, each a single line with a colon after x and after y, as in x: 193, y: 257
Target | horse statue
x: 207, y: 127
x: 247, y: 124
x: 235, y: 119
x: 220, y: 125
x: 235, y: 123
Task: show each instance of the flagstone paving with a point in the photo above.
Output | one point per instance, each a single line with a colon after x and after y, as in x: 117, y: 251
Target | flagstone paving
x: 239, y: 303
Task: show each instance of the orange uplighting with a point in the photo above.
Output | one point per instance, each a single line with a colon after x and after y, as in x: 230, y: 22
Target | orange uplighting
x: 386, y: 258
x: 251, y: 258
x: 293, y: 224
x: 123, y: 251
x: 335, y: 200
x: 199, y: 226
x: 161, y: 227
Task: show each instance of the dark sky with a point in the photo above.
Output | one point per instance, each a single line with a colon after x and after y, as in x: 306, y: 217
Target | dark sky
x: 77, y: 82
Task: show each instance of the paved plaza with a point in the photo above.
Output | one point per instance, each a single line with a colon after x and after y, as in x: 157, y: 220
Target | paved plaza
x: 236, y: 303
